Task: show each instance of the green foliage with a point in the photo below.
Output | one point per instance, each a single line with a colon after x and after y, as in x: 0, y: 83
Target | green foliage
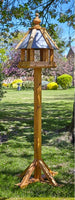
x: 23, y: 14
x: 65, y: 81
x: 52, y: 86
x: 3, y: 56
x: 24, y: 85
x: 50, y: 79
x: 1, y: 87
x: 27, y: 85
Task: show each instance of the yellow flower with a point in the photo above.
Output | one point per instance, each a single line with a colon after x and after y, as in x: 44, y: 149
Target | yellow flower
x: 17, y: 81
x: 52, y: 86
x: 5, y: 84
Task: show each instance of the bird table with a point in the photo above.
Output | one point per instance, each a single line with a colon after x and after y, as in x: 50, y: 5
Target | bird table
x: 35, y: 39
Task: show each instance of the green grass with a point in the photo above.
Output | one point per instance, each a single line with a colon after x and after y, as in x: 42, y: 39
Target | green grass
x: 39, y: 198
x: 17, y: 142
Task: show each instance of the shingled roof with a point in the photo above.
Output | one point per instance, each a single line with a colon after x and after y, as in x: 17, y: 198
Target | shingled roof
x: 37, y: 38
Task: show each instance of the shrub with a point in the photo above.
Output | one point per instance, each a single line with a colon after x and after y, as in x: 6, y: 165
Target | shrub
x: 16, y: 82
x: 52, y: 86
x: 14, y: 85
x: 5, y: 85
x: 28, y: 85
x: 65, y: 81
x: 9, y: 85
x: 51, y: 79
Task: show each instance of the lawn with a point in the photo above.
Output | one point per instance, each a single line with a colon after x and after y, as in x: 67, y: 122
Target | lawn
x: 17, y: 142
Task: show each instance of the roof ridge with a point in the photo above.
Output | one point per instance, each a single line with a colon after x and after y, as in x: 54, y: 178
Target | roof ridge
x: 51, y: 39
x: 32, y: 36
x: 46, y: 39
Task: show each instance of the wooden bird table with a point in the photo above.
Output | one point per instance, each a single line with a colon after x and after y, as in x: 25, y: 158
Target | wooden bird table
x: 38, y: 164
x: 35, y: 36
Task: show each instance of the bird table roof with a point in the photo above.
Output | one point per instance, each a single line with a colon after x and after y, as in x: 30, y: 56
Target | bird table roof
x: 37, y: 38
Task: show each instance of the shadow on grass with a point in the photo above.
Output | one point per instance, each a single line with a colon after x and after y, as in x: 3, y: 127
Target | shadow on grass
x: 17, y: 125
x: 18, y: 120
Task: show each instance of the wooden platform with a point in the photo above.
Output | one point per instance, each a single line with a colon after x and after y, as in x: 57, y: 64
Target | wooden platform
x: 33, y: 64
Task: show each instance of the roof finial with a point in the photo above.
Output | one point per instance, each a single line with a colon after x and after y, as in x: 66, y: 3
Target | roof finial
x: 37, y: 20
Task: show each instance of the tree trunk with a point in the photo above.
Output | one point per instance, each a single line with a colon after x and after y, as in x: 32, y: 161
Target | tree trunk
x: 72, y: 125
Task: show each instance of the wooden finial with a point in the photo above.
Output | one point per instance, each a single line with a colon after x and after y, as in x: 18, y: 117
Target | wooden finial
x: 37, y: 20
x: 37, y: 14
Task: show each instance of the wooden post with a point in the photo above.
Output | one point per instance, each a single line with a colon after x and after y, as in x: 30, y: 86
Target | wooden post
x: 51, y: 55
x: 28, y: 54
x: 41, y: 54
x: 31, y: 54
x: 37, y: 120
x: 44, y: 55
x: 22, y: 54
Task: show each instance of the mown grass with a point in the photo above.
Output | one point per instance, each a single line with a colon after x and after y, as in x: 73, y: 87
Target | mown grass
x: 39, y: 198
x: 17, y: 142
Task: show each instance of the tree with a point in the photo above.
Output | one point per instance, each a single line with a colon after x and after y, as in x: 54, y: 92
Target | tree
x: 10, y: 66
x: 20, y: 13
x: 3, y: 57
x: 72, y: 129
x: 63, y: 66
x: 1, y: 79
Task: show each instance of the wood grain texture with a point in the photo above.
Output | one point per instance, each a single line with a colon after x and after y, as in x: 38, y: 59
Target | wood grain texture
x: 51, y: 55
x: 37, y: 120
x: 51, y: 172
x: 31, y: 54
x: 29, y: 171
x: 44, y: 55
x: 47, y: 173
x: 22, y: 54
x: 28, y: 54
x: 31, y: 39
x: 39, y: 64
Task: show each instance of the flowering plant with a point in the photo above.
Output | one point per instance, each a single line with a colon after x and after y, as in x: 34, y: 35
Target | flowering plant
x: 16, y: 82
x: 5, y: 84
x: 52, y: 86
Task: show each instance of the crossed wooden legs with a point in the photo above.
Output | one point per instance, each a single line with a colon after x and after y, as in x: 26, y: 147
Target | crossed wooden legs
x: 47, y: 177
